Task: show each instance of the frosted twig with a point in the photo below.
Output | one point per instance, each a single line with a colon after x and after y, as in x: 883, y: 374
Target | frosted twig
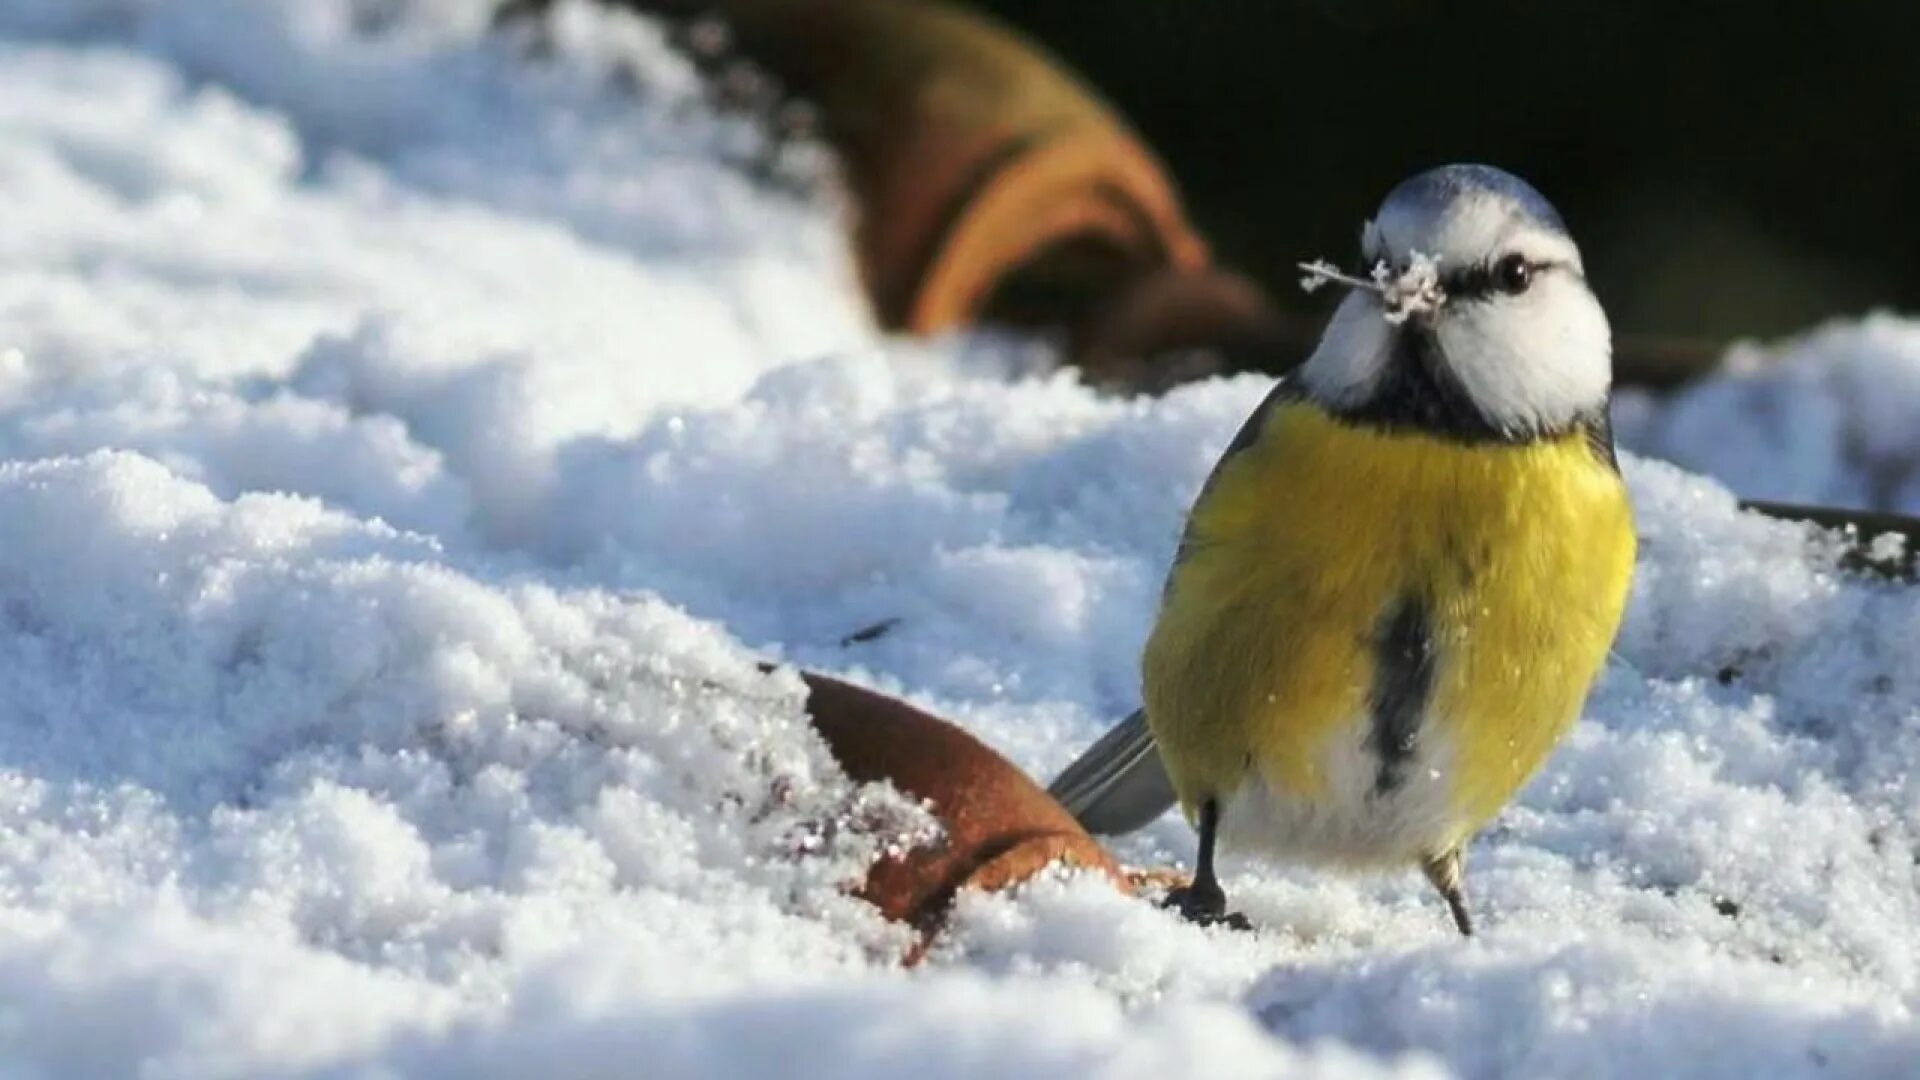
x: 1320, y: 271
x: 1415, y: 290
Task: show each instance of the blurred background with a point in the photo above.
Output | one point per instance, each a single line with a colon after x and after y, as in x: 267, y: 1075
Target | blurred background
x: 1141, y: 178
x: 1730, y: 169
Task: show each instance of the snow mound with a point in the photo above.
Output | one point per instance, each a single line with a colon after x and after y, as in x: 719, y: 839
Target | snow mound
x: 410, y: 442
x: 1827, y: 418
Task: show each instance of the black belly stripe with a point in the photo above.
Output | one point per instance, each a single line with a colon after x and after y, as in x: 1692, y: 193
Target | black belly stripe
x: 1403, y: 676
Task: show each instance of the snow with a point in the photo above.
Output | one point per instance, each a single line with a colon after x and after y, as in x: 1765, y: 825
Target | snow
x: 410, y: 440
x: 1826, y: 418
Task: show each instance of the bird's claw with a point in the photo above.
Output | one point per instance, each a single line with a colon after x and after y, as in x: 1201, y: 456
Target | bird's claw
x: 1205, y: 909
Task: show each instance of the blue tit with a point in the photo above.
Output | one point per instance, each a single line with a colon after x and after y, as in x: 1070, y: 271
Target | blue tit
x: 1400, y: 581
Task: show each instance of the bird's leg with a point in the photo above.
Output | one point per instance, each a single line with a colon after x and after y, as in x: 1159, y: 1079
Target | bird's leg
x: 1204, y: 901
x: 1448, y: 874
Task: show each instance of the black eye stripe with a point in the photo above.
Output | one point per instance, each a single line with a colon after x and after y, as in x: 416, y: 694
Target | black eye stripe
x: 1475, y: 282
x: 1469, y: 283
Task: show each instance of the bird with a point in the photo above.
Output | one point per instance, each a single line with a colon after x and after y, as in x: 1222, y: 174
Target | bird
x: 1398, y: 584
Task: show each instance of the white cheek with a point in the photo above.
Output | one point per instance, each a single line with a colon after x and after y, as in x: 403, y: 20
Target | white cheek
x: 1535, y: 361
x: 1353, y: 353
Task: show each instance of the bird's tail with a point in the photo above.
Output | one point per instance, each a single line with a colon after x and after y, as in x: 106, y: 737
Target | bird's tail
x: 1120, y: 784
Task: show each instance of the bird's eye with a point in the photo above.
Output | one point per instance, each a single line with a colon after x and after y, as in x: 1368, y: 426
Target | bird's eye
x: 1513, y: 274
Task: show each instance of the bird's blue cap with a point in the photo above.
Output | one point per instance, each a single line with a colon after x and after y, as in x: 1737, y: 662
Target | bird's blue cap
x: 1430, y: 193
x: 1463, y: 215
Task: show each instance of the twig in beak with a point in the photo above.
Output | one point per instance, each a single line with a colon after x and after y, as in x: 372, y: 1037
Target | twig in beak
x: 1413, y: 291
x: 1319, y: 272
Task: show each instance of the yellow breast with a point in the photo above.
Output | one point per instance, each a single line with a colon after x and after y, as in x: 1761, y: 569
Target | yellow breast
x: 1264, y: 650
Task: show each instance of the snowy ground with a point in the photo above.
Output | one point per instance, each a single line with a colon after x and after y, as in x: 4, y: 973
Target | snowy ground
x: 408, y: 450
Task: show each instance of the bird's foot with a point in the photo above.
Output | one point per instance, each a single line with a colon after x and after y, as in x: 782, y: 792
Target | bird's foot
x: 1205, y: 907
x: 1448, y: 874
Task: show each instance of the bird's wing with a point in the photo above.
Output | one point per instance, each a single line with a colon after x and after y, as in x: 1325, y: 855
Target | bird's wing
x: 1285, y: 390
x: 1119, y: 784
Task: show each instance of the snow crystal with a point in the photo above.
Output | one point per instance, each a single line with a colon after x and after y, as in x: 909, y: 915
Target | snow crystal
x: 413, y: 437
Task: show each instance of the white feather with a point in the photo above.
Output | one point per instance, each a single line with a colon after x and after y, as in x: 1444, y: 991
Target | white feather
x: 1353, y: 352
x: 1352, y: 822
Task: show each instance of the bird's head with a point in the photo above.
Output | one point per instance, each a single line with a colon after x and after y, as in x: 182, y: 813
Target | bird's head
x: 1473, y: 320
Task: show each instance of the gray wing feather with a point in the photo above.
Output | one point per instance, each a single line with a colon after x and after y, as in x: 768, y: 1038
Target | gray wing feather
x: 1120, y: 784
